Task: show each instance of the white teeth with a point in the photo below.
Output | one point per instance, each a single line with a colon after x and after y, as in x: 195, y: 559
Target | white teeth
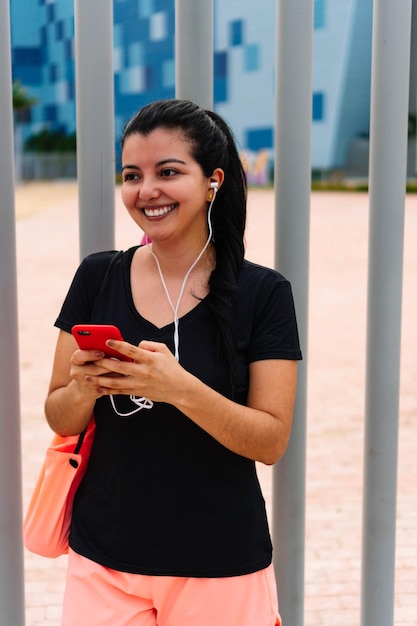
x: 159, y: 211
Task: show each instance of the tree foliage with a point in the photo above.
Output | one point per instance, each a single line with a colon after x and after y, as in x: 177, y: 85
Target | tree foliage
x: 51, y: 141
x: 21, y: 99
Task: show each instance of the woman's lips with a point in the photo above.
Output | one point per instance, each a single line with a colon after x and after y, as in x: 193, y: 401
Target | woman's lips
x: 159, y: 211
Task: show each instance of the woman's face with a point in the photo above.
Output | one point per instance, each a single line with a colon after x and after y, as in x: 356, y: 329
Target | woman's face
x: 164, y: 188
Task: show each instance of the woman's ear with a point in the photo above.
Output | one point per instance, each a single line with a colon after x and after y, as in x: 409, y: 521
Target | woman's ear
x: 216, y: 179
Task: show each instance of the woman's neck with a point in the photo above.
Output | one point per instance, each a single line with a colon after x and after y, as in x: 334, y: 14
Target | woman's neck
x: 175, y: 261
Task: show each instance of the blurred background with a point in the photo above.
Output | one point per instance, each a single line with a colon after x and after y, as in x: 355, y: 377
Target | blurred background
x: 244, y: 66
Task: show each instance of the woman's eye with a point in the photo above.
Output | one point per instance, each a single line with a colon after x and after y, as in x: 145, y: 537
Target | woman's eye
x: 167, y: 173
x: 127, y: 177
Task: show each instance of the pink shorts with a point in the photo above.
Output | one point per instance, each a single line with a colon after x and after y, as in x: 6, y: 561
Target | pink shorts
x: 98, y: 596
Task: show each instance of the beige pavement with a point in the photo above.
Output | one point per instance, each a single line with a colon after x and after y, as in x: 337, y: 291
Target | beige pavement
x: 47, y: 249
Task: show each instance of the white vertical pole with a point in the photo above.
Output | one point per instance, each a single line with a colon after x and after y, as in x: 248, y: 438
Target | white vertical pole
x: 95, y: 123
x: 292, y: 196
x: 11, y: 546
x: 412, y: 96
x: 387, y: 181
x: 194, y: 51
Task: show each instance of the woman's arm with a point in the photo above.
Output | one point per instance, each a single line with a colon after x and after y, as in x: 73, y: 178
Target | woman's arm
x: 259, y: 431
x: 71, y: 398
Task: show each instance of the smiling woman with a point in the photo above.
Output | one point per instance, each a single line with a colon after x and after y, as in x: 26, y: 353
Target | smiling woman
x: 170, y: 521
x: 161, y: 179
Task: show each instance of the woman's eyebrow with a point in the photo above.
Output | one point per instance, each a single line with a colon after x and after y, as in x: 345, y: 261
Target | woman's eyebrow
x: 173, y: 160
x: 158, y: 164
x: 129, y: 167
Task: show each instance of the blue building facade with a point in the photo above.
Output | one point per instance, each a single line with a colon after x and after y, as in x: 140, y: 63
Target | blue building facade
x: 244, y: 67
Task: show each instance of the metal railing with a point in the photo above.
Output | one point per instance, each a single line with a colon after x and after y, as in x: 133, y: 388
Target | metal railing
x: 95, y: 120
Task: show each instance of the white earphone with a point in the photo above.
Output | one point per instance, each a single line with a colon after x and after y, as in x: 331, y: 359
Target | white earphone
x: 214, y: 185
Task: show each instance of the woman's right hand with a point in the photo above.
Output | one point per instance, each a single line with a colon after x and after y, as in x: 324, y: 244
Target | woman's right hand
x: 84, y: 366
x: 71, y: 397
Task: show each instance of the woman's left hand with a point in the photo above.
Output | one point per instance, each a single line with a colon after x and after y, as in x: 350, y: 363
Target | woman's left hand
x: 153, y: 373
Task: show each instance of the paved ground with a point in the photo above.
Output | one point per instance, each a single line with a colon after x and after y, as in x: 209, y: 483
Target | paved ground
x: 47, y: 244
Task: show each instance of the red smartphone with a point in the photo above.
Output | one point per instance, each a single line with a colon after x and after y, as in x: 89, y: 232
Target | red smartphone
x: 94, y: 337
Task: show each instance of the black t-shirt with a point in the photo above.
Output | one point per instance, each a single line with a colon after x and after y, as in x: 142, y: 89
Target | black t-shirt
x: 161, y: 496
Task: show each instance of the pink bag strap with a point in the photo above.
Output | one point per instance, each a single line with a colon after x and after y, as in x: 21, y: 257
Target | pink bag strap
x: 73, y: 462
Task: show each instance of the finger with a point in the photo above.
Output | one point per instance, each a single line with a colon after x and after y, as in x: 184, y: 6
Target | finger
x: 123, y: 348
x: 153, y: 346
x: 113, y: 367
x: 94, y: 368
x: 107, y: 385
x: 81, y: 357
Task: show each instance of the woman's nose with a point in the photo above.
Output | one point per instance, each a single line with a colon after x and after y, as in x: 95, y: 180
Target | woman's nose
x: 148, y: 189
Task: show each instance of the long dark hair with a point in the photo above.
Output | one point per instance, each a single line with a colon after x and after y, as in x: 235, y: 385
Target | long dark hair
x: 212, y: 146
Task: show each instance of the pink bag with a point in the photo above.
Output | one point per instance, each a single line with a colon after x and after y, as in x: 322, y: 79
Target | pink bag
x: 48, y: 519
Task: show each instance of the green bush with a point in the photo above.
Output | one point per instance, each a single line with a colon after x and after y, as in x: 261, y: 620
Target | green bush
x: 51, y: 141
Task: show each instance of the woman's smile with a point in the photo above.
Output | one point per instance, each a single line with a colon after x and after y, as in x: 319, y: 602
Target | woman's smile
x: 160, y: 211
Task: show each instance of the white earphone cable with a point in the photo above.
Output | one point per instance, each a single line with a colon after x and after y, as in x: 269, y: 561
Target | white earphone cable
x: 181, y: 293
x: 141, y: 402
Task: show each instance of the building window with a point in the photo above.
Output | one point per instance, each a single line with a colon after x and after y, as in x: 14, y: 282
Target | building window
x: 50, y: 13
x: 71, y: 89
x: 220, y: 77
x: 50, y: 113
x: 319, y: 14
x: 135, y: 53
x: 236, y: 33
x: 252, y: 57
x: 59, y: 30
x: 132, y: 80
x: 52, y: 73
x: 28, y: 56
x: 145, y: 8
x: 149, y: 78
x: 259, y: 139
x: 220, y: 90
x: 168, y: 73
x: 318, y: 106
x: 158, y: 27
x: 69, y: 49
x: 220, y: 64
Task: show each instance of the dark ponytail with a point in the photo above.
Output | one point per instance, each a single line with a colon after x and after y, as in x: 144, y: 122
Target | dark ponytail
x: 212, y: 146
x: 229, y: 221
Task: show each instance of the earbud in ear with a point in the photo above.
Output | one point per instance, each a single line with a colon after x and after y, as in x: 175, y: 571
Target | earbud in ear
x: 214, y: 185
